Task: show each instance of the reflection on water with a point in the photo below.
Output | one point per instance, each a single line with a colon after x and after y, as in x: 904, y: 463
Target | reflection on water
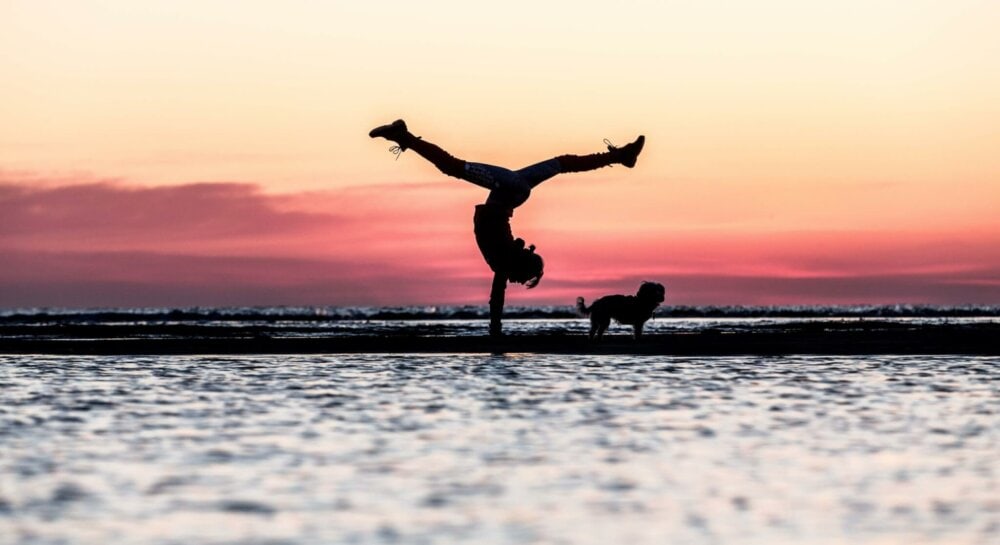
x: 499, y: 449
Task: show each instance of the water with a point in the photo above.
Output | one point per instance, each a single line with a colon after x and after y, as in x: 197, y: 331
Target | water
x: 528, y: 448
x: 451, y: 321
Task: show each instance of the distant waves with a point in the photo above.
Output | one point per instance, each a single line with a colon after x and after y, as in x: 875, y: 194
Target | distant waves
x: 424, y: 313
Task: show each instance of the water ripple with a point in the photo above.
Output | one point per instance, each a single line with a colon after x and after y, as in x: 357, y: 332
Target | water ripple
x: 498, y: 449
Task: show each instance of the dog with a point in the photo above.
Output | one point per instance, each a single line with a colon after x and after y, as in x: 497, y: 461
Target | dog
x: 631, y: 310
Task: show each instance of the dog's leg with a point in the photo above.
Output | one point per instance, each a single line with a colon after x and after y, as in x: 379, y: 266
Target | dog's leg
x: 637, y: 330
x: 602, y: 326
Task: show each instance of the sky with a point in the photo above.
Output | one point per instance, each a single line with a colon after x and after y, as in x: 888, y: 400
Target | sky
x: 182, y: 153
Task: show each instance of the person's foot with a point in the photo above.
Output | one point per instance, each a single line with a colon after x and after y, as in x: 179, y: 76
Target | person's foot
x: 628, y: 153
x: 395, y: 132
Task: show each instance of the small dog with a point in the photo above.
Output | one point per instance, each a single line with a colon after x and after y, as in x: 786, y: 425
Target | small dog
x: 631, y: 310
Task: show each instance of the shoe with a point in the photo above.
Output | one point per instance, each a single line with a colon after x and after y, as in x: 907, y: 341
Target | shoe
x: 393, y: 131
x: 628, y: 153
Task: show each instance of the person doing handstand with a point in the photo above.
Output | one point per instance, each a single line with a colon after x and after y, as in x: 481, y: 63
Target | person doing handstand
x: 508, y: 257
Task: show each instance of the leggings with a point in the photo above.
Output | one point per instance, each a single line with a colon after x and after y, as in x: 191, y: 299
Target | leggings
x: 509, y: 188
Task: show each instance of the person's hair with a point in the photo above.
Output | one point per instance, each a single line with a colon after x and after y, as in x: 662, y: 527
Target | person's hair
x: 526, y: 267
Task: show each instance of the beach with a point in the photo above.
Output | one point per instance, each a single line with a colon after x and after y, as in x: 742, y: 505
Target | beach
x: 542, y: 331
x: 412, y: 426
x: 815, y: 339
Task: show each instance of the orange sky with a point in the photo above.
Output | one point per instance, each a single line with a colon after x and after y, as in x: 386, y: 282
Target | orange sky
x: 159, y: 153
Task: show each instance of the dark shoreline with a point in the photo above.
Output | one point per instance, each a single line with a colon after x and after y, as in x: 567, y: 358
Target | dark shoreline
x: 821, y: 337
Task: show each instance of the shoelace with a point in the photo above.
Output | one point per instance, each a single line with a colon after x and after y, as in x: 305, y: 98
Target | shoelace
x: 612, y: 148
x: 398, y: 150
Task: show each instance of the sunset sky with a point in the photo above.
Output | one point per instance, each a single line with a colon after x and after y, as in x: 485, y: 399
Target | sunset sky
x: 177, y: 153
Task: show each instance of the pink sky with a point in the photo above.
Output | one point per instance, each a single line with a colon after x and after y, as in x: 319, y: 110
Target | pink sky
x: 186, y: 153
x: 104, y: 243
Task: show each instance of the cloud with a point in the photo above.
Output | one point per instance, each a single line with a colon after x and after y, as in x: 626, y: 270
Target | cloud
x: 971, y: 288
x: 104, y: 215
x: 104, y: 279
x: 31, y: 279
x: 412, y: 222
x: 106, y: 243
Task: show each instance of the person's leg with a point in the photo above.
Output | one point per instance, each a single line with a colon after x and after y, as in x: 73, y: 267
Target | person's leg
x: 539, y: 172
x: 513, y: 187
x: 491, y: 177
x: 625, y: 155
x: 505, y: 186
x: 398, y: 133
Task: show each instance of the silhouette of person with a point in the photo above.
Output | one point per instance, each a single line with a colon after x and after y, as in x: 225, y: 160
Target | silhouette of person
x: 506, y: 256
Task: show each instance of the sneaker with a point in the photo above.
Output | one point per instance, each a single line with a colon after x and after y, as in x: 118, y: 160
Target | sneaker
x: 393, y: 131
x: 628, y: 153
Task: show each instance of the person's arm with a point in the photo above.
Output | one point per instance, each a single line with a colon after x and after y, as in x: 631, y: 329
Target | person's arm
x: 496, y: 303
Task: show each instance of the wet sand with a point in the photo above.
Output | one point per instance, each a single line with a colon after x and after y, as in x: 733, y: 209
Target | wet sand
x: 818, y: 337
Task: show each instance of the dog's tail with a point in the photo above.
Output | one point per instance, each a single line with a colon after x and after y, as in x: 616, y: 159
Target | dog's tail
x: 581, y: 308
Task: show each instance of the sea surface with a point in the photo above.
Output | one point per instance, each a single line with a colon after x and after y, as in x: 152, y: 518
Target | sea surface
x: 499, y: 449
x: 449, y: 321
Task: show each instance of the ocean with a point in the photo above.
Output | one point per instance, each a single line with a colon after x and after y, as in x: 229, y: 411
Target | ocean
x: 485, y: 448
x: 451, y: 321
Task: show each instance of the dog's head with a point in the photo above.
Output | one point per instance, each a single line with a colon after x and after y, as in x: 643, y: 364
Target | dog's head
x: 652, y: 292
